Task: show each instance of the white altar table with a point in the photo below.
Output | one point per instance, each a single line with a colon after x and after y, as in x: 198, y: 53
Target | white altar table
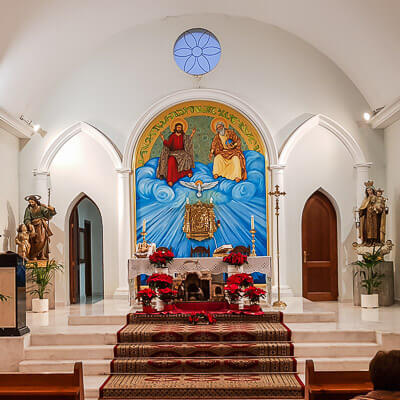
x: 215, y: 265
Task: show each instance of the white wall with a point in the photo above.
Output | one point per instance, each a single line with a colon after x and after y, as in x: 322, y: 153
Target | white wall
x: 282, y: 78
x: 319, y: 161
x: 392, y: 148
x: 83, y: 166
x: 9, y: 191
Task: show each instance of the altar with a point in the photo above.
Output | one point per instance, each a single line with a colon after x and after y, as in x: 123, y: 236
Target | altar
x: 212, y: 265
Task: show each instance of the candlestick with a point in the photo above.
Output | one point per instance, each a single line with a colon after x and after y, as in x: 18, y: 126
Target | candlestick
x: 252, y: 222
x: 211, y: 200
x: 144, y: 236
x: 144, y: 225
x: 187, y: 200
x: 253, y: 241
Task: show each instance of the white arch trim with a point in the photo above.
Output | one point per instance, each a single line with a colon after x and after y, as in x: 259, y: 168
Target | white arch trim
x: 69, y: 133
x: 321, y: 120
x: 199, y: 94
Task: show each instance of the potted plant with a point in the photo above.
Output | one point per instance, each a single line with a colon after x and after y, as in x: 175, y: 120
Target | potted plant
x: 166, y: 295
x: 242, y: 280
x: 158, y: 282
x: 146, y: 296
x: 234, y: 261
x: 41, y: 277
x: 371, y: 279
x: 254, y: 294
x: 232, y: 291
x: 160, y: 259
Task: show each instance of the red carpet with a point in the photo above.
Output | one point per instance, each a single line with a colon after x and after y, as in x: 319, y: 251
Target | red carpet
x: 243, y: 355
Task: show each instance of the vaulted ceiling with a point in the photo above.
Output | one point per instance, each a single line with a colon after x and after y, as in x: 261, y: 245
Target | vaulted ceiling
x: 41, y: 40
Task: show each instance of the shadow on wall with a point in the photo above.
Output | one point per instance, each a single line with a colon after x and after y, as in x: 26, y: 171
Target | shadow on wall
x: 10, y: 231
x: 349, y: 256
x: 286, y: 132
x: 57, y: 243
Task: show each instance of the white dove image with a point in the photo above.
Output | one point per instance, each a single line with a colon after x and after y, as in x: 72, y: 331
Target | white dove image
x: 199, y: 186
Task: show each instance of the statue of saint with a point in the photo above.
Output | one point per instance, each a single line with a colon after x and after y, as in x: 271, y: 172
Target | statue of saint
x: 22, y: 241
x: 226, y: 148
x: 177, y: 157
x: 36, y: 219
x: 372, y: 216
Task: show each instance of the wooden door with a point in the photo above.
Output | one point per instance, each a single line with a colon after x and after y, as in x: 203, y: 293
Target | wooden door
x: 319, y: 234
x: 74, y: 293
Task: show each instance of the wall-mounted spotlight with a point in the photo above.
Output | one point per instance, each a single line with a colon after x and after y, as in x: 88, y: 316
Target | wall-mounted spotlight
x: 35, y: 127
x: 368, y: 115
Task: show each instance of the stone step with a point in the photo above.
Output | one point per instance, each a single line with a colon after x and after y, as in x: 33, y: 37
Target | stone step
x: 331, y: 350
x: 87, y: 352
x: 90, y: 367
x: 335, y: 364
x: 309, y: 317
x: 92, y: 385
x: 115, y: 319
x: 325, y: 336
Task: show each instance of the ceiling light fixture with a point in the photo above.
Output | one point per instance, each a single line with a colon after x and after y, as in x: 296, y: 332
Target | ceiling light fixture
x: 368, y: 115
x: 35, y: 127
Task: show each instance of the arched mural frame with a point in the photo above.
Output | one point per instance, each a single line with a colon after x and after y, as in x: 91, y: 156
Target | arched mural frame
x: 217, y: 96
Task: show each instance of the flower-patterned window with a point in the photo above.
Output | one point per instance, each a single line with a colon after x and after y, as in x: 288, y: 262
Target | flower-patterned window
x: 197, y: 51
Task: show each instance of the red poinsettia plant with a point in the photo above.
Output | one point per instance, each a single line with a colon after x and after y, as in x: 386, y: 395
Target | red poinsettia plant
x: 235, y: 259
x: 159, y: 281
x: 233, y: 292
x: 167, y: 294
x: 254, y: 294
x: 161, y: 258
x: 145, y: 296
x: 203, y: 316
x: 243, y: 280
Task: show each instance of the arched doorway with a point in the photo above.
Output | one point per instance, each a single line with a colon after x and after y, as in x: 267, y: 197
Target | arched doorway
x: 319, y: 237
x: 86, y: 253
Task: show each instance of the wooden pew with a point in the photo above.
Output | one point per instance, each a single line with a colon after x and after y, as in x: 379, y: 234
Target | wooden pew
x: 335, y: 385
x: 43, y: 386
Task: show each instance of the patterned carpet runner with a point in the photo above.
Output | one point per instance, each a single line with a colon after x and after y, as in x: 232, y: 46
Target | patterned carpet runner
x: 162, y: 356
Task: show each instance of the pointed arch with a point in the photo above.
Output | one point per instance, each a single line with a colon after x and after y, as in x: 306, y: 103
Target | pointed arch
x: 199, y: 94
x: 333, y: 127
x: 69, y: 133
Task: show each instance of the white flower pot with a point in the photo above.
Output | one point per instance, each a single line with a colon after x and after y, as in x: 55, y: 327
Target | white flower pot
x: 40, y: 305
x: 159, y: 304
x: 369, y: 301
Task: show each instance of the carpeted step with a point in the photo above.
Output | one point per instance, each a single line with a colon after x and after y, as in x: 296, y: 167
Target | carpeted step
x: 207, y: 386
x: 187, y: 365
x: 210, y: 349
x: 231, y: 317
x: 220, y: 332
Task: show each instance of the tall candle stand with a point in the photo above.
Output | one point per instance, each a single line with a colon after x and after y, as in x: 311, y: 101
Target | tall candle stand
x: 144, y: 233
x: 253, y: 241
x: 277, y: 194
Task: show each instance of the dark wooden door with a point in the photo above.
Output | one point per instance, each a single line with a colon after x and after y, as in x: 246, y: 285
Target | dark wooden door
x: 74, y: 295
x: 319, y: 234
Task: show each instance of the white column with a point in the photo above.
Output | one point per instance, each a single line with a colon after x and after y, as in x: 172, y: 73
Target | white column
x: 278, y: 179
x: 124, y: 232
x: 41, y: 179
x: 362, y: 176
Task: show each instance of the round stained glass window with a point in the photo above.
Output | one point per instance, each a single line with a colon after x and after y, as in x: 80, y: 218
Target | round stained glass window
x: 197, y: 51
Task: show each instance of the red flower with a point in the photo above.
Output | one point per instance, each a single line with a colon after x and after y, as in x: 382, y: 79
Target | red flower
x: 146, y: 295
x: 240, y: 280
x: 159, y: 281
x: 254, y: 294
x: 161, y: 258
x: 233, y: 291
x: 235, y: 259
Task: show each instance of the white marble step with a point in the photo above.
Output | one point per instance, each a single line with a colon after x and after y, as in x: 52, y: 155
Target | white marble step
x: 324, y: 336
x: 92, y: 385
x: 90, y: 367
x: 312, y: 350
x: 335, y: 364
x: 73, y: 352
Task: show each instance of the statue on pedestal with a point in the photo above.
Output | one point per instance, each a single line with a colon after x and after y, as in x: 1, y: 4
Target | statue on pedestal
x: 36, y: 219
x: 372, y: 222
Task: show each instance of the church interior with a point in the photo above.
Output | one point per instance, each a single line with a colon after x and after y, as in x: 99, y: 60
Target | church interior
x: 199, y: 199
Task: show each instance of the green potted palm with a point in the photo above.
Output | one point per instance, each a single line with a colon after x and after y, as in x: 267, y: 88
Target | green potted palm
x: 371, y: 279
x: 41, y: 278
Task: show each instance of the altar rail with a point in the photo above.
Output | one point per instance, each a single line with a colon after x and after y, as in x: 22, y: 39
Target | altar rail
x: 215, y: 265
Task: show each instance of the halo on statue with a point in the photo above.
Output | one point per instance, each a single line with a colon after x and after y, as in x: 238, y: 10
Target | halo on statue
x: 215, y: 121
x: 36, y: 196
x: 178, y: 121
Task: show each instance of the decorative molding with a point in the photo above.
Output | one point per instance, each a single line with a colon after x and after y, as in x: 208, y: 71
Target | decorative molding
x: 14, y: 126
x: 277, y: 166
x: 68, y: 134
x: 199, y: 94
x: 387, y: 116
x: 363, y: 165
x: 124, y: 171
x: 321, y: 120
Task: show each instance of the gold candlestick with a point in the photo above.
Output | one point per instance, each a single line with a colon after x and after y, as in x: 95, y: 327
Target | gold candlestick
x: 253, y: 240
x: 144, y: 236
x: 277, y: 194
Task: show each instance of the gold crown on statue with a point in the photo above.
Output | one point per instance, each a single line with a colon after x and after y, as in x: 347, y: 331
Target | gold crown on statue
x: 369, y: 184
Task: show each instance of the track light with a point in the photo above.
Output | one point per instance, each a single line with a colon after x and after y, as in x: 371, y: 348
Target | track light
x: 368, y: 115
x: 35, y: 127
